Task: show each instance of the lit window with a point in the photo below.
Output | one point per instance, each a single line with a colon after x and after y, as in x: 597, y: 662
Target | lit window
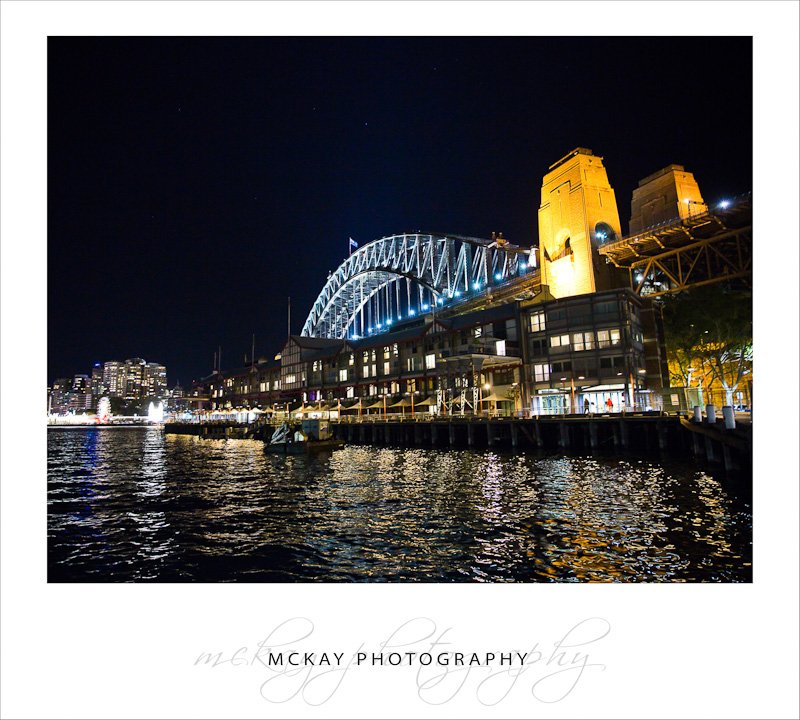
x: 615, y: 337
x: 501, y: 347
x: 478, y: 331
x: 541, y: 373
x: 430, y: 361
x: 537, y: 322
x: 291, y: 378
x: 351, y: 391
x: 343, y: 374
x: 351, y: 360
x: 559, y: 341
x: 386, y: 370
x: 583, y: 341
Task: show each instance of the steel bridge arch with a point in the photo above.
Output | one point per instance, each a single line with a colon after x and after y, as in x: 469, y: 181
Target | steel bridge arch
x: 365, y: 290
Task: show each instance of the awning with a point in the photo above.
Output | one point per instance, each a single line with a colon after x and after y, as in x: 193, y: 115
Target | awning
x: 378, y: 404
x: 496, y: 398
x: 427, y: 401
x: 402, y: 403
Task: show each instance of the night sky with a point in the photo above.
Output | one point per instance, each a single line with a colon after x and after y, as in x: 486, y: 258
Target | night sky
x: 195, y: 183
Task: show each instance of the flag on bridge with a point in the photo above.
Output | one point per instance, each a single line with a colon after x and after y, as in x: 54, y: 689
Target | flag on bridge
x: 352, y: 244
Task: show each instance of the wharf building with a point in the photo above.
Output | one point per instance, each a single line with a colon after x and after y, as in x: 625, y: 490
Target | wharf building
x: 456, y: 325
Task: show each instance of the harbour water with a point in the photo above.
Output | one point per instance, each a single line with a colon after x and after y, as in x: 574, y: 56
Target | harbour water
x: 134, y: 504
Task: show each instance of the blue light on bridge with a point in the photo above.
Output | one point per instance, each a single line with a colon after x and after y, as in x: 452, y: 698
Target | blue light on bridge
x: 498, y: 276
x: 440, y: 301
x: 389, y: 322
x: 425, y: 306
x: 458, y: 293
x: 523, y: 266
x: 476, y: 286
x: 411, y: 312
x: 724, y: 204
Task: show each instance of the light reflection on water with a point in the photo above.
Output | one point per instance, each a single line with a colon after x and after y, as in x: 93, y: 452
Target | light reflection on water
x: 134, y: 504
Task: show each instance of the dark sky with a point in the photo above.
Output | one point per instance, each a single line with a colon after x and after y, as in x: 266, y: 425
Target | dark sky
x: 195, y: 183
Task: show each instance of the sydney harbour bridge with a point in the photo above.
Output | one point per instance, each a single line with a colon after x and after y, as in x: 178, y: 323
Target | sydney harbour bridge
x: 410, y: 274
x: 400, y: 276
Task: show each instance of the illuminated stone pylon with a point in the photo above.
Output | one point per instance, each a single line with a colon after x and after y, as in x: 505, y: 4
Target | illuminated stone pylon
x: 578, y: 213
x: 667, y: 195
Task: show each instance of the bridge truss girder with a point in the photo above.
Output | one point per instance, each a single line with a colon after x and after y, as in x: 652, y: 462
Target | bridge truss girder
x: 397, y: 275
x: 719, y: 258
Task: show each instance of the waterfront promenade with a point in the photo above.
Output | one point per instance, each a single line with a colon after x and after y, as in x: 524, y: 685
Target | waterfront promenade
x: 605, y: 433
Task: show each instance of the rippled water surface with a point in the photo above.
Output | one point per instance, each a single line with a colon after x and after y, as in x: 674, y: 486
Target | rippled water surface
x: 135, y: 504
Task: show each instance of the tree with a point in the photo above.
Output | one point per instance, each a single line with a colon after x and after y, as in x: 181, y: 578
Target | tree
x: 709, y: 335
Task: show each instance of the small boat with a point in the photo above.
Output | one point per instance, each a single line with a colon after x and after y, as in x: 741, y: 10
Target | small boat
x: 315, y: 436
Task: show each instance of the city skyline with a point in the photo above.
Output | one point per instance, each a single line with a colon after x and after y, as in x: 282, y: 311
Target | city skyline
x: 188, y: 181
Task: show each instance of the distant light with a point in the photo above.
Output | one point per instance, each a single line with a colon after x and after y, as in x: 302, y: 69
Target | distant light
x: 425, y: 306
x: 388, y: 322
x: 411, y: 312
x: 498, y: 276
x: 523, y: 266
x: 563, y: 378
x: 687, y: 201
x: 399, y: 317
x: 476, y: 286
x: 724, y: 204
x: 458, y: 293
x: 641, y: 372
x: 378, y: 325
x: 581, y: 377
x: 440, y: 301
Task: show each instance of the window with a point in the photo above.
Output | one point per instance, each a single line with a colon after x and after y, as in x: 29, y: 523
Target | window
x: 291, y: 378
x: 538, y: 347
x: 316, y: 366
x: 605, y: 308
x: 395, y: 350
x: 430, y: 361
x: 541, y: 373
x: 343, y: 374
x: 365, y: 356
x: 607, y: 338
x: 501, y: 347
x: 556, y: 315
x: 263, y: 387
x: 537, y: 321
x: 386, y: 370
x: 351, y: 392
x: 559, y: 341
x: 478, y: 331
x: 386, y: 352
x: 583, y: 341
x: 351, y: 360
x: 366, y: 371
